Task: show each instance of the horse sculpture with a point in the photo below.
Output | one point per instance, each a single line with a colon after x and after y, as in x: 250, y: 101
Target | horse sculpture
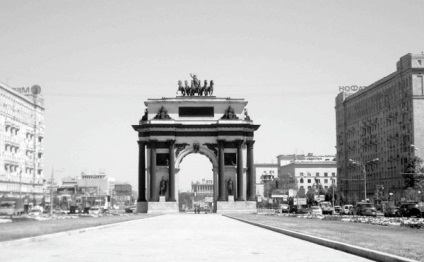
x: 209, y: 89
x: 181, y: 88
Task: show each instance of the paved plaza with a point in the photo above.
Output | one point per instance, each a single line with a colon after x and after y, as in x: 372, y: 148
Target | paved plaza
x: 178, y: 237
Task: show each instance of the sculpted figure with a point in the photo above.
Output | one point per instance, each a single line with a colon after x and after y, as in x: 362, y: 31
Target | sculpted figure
x: 230, y: 187
x: 163, y: 186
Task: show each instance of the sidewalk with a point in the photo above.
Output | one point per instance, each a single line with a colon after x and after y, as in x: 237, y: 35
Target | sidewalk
x: 179, y: 237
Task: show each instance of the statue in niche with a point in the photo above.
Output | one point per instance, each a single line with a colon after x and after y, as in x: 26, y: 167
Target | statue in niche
x: 229, y: 186
x: 162, y: 114
x: 163, y: 186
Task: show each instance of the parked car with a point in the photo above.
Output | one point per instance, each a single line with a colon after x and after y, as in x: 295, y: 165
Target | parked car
x: 95, y: 211
x: 315, y: 210
x: 347, y: 210
x: 35, y: 212
x: 410, y: 210
x: 326, y: 207
x: 337, y: 209
x: 365, y: 209
x: 284, y: 208
x: 391, y: 211
x: 130, y: 209
x: 58, y: 211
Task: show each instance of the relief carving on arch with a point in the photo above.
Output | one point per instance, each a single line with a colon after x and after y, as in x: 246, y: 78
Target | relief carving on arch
x: 180, y: 147
x: 212, y: 147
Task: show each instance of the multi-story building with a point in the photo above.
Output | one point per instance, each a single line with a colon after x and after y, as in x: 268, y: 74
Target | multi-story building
x: 379, y: 128
x: 205, y: 187
x: 96, y: 183
x: 306, y: 174
x: 123, y: 194
x: 292, y: 172
x: 21, y: 142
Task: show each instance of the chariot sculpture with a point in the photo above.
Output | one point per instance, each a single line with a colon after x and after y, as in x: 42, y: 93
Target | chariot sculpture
x: 195, y: 87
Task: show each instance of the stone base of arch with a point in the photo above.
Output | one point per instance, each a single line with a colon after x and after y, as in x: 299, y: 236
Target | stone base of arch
x: 157, y: 207
x: 227, y: 207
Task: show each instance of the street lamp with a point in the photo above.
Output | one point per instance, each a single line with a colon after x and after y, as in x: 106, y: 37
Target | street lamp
x: 363, y: 164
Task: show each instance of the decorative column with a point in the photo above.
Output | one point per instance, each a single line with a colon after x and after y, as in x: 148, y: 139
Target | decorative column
x: 152, y: 145
x: 141, y: 171
x: 251, y: 175
x: 221, y: 171
x: 171, y: 169
x: 240, y: 171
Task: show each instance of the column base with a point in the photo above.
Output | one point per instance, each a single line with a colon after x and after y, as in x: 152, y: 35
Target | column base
x: 162, y: 207
x: 225, y: 207
x: 141, y: 207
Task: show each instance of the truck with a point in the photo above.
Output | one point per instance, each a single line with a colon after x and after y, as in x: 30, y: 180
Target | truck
x: 11, y: 206
x: 326, y: 207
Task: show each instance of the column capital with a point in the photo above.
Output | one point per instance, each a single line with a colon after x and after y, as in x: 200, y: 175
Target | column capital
x: 152, y: 143
x: 171, y: 143
x: 141, y: 143
x: 250, y: 143
x: 221, y: 143
x: 239, y: 143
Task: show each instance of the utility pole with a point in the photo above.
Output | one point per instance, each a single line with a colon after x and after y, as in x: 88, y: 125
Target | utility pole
x: 51, y: 193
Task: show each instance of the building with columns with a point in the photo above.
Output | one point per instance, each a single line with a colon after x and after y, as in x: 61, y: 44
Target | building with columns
x: 21, y: 143
x: 218, y: 128
x: 379, y: 129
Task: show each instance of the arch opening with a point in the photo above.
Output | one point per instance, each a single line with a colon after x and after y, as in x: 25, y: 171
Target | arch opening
x: 196, y: 183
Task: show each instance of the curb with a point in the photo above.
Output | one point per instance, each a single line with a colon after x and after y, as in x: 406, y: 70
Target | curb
x: 64, y: 233
x: 351, y: 249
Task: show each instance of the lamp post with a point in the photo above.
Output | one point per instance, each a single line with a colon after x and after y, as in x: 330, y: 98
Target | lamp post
x: 362, y: 165
x: 332, y: 182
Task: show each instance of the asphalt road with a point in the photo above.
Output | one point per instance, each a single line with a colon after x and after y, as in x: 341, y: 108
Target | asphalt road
x: 180, y: 237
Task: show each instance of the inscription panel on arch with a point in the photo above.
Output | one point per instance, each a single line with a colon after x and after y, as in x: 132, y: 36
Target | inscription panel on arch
x: 189, y: 111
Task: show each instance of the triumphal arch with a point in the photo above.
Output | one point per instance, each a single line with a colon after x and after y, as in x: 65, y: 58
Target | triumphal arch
x: 196, y: 121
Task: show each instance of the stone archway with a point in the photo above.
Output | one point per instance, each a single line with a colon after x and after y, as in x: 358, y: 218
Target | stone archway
x: 218, y: 128
x: 207, y: 153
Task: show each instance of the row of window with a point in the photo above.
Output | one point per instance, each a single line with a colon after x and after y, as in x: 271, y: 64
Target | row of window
x: 333, y: 174
x: 318, y: 181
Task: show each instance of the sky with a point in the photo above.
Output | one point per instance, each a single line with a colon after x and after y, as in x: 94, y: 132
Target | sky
x: 98, y: 61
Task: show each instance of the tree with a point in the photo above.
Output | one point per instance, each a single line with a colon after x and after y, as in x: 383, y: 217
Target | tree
x: 269, y: 186
x: 413, y: 173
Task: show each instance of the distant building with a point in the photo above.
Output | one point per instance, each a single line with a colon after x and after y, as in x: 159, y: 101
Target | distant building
x: 96, y: 183
x: 205, y: 187
x: 384, y: 121
x: 21, y: 142
x: 123, y: 193
x: 309, y: 173
x: 289, y: 170
x: 264, y: 172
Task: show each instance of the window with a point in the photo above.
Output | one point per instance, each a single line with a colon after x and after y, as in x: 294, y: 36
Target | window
x: 333, y: 174
x: 317, y: 174
x: 325, y: 174
x: 325, y: 181
x: 301, y: 173
x: 309, y: 181
x: 301, y: 180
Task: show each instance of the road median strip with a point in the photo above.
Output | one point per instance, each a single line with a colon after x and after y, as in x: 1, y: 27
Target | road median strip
x: 355, y: 250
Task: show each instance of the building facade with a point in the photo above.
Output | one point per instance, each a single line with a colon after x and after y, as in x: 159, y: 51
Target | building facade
x: 123, y: 194
x: 379, y: 129
x: 96, y: 183
x: 306, y: 174
x: 21, y: 142
x: 205, y: 187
